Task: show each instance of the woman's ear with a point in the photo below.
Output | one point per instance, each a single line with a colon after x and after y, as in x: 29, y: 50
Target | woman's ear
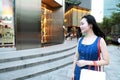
x: 90, y: 25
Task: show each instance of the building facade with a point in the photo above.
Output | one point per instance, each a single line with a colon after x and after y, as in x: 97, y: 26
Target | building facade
x: 109, y: 7
x: 74, y: 14
x: 37, y: 22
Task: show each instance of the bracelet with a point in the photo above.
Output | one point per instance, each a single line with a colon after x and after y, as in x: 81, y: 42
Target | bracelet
x: 94, y: 62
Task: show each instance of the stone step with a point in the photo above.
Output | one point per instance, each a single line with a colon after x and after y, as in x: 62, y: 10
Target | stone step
x: 26, y: 64
x: 60, y: 74
x: 15, y: 65
x: 36, y: 70
x: 4, y: 49
x: 32, y: 53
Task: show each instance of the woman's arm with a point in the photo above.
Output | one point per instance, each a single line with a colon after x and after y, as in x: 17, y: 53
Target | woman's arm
x: 75, y: 60
x: 104, y: 51
x: 75, y: 56
x: 74, y: 63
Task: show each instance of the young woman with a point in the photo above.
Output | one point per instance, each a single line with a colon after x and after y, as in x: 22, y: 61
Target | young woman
x: 87, y: 49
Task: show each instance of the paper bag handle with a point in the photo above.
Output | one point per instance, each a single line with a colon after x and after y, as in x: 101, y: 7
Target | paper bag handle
x: 95, y: 64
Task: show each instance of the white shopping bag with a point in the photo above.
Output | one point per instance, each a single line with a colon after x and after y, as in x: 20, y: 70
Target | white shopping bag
x: 87, y: 74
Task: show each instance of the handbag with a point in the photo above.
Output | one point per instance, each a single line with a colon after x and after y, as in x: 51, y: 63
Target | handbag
x: 87, y: 74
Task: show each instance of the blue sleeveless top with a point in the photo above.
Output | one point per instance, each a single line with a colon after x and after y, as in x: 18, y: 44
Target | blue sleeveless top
x: 87, y: 52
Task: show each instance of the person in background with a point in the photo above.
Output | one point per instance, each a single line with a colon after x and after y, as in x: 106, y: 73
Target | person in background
x: 78, y: 33
x: 87, y: 49
x: 119, y: 42
x: 0, y: 30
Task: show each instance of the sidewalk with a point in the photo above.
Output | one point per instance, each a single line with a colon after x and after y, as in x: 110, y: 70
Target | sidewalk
x: 112, y: 70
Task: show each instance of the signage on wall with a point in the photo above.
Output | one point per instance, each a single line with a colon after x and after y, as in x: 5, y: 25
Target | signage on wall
x: 6, y: 13
x: 7, y: 24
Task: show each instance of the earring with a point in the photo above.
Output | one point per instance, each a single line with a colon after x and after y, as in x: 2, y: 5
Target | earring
x: 90, y: 26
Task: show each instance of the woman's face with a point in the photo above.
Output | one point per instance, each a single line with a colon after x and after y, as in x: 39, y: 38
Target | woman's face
x: 84, y: 26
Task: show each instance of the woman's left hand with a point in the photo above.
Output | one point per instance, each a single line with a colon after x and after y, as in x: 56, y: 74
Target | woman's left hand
x: 81, y: 63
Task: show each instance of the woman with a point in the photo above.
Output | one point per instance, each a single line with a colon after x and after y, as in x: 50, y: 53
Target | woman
x: 87, y: 50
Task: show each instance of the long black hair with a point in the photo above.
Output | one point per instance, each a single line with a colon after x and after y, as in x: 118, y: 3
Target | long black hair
x: 97, y: 31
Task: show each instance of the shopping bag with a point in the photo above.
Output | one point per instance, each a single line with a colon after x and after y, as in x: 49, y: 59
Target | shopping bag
x: 87, y: 74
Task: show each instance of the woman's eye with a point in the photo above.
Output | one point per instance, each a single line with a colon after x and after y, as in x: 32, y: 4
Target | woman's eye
x: 81, y: 23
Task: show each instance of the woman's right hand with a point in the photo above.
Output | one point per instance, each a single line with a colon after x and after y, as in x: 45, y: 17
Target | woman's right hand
x: 72, y: 76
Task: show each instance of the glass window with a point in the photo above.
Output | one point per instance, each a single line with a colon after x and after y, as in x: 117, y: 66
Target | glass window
x: 6, y: 23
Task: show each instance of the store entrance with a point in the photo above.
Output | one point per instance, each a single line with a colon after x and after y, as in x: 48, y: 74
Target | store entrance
x: 46, y: 24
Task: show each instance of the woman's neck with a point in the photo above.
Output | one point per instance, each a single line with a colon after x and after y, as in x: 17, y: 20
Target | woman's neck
x: 90, y: 33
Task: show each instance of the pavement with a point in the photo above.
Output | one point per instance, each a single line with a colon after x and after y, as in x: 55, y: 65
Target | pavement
x: 112, y: 70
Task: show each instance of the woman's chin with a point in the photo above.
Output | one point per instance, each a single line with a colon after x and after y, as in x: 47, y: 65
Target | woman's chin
x: 83, y: 31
